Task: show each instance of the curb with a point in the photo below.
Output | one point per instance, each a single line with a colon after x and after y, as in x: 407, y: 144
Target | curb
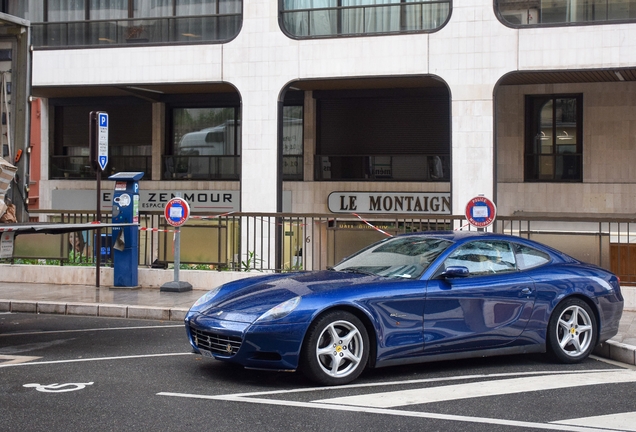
x: 92, y: 309
x: 617, y: 351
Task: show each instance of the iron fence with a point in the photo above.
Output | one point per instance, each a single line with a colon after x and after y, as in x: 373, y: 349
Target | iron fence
x: 288, y: 241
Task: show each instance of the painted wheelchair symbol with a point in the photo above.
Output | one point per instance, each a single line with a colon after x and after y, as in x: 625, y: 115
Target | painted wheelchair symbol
x: 58, y: 388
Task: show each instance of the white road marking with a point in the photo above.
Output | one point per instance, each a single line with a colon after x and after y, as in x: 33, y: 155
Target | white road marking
x: 89, y: 330
x: 94, y: 359
x: 16, y: 359
x: 400, y: 413
x: 329, y: 404
x: 482, y: 389
x: 58, y: 388
x: 620, y: 422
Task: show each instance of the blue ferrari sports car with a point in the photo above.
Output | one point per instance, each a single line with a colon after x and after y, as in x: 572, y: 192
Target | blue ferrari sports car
x: 408, y: 299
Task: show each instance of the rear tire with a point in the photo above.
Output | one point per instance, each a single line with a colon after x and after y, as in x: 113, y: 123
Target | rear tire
x: 572, y: 331
x: 336, y: 349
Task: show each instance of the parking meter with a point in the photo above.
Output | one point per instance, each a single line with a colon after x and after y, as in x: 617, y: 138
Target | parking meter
x: 125, y: 238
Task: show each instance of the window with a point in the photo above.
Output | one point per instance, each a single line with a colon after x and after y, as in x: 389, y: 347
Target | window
x: 129, y: 138
x: 205, y: 144
x: 397, y: 257
x: 481, y: 258
x: 554, y: 138
x: 521, y: 13
x: 528, y: 257
x: 293, y: 142
x: 328, y: 18
x: 383, y: 135
x: 61, y: 23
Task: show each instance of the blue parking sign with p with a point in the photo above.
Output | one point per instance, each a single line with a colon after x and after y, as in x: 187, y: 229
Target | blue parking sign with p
x: 102, y: 140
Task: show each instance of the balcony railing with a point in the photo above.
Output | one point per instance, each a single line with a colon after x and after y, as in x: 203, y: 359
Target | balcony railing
x: 190, y: 29
x: 202, y: 167
x: 79, y: 167
x: 368, y: 19
x: 433, y: 168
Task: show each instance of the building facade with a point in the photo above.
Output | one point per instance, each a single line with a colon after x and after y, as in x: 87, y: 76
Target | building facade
x: 359, y: 106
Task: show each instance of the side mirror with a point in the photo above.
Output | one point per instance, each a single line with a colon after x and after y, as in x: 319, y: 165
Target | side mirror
x: 455, y: 271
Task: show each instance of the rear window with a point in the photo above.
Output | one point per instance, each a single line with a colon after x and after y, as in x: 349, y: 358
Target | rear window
x: 528, y: 257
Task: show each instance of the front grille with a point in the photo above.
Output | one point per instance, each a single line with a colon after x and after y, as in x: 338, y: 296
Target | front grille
x: 216, y: 343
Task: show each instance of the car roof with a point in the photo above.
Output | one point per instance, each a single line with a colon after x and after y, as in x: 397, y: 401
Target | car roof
x: 465, y: 236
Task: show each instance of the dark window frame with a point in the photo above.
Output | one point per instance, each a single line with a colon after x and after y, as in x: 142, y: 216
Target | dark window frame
x: 572, y: 162
x: 222, y: 101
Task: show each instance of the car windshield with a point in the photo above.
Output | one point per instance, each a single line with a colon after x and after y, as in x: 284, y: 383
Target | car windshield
x: 398, y: 257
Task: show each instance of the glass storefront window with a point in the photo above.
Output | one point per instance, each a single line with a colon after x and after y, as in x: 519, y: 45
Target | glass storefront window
x: 130, y: 139
x: 206, y: 144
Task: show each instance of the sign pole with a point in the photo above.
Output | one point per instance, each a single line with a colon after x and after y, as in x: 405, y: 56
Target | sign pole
x: 177, y: 212
x: 98, y: 146
x: 98, y: 232
x: 177, y: 253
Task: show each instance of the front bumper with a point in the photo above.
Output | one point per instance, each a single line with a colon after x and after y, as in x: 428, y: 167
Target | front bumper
x: 256, y: 346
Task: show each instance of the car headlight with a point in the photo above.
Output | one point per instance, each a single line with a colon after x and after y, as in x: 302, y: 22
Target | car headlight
x: 280, y: 310
x: 207, y: 297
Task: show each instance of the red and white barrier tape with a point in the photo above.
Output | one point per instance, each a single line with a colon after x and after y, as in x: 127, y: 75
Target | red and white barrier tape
x: 372, y: 226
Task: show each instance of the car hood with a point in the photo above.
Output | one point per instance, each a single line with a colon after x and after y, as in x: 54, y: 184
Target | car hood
x: 247, y: 299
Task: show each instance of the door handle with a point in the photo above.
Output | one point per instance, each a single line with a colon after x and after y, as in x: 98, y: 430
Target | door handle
x: 526, y: 291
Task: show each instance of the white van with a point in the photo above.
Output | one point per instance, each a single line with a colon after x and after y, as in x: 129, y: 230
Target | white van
x: 202, y: 145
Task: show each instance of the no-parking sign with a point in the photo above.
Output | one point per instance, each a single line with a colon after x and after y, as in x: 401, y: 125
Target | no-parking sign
x: 177, y: 212
x: 480, y: 212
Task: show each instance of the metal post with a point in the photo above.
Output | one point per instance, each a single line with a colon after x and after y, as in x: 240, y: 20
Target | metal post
x: 177, y: 253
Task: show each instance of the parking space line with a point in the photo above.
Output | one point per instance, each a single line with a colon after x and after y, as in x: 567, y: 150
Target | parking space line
x: 95, y: 359
x: 393, y: 412
x: 485, y: 379
x: 620, y: 421
x: 482, y: 389
x: 89, y: 330
x: 422, y: 381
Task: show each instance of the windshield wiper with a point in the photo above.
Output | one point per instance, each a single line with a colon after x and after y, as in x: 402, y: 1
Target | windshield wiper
x: 358, y: 271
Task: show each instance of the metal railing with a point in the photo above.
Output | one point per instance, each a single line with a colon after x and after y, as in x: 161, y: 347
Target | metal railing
x: 79, y: 167
x: 416, y: 167
x: 188, y: 167
x: 286, y: 241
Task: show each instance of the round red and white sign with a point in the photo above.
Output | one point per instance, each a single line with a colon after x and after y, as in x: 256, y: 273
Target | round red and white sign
x: 480, y: 212
x: 177, y: 212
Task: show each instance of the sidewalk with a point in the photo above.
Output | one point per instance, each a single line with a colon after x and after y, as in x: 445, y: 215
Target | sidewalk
x: 152, y: 303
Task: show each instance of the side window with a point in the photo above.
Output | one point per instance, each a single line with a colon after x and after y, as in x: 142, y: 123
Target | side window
x: 483, y: 257
x: 528, y: 257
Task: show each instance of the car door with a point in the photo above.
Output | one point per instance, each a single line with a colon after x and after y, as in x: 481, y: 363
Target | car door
x: 489, y: 307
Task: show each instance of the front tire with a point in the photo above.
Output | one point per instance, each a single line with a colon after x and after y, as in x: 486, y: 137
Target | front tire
x: 336, y: 350
x: 572, y: 331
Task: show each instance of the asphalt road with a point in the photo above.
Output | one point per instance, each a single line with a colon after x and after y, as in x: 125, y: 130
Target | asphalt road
x: 74, y: 373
